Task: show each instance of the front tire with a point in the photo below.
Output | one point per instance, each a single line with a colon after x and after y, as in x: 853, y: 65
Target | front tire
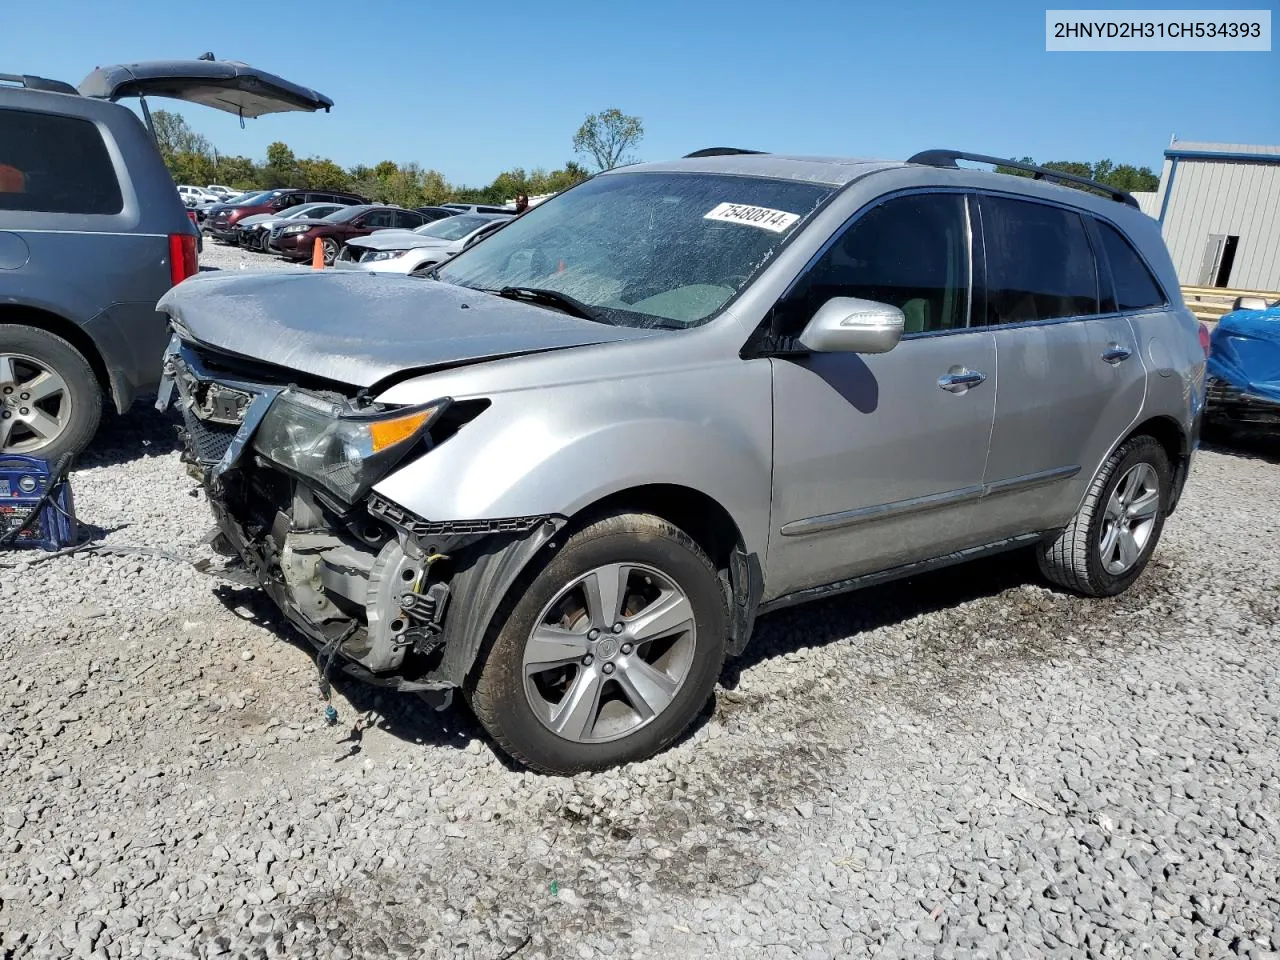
x: 1109, y: 541
x: 607, y: 651
x: 50, y: 400
x: 330, y: 248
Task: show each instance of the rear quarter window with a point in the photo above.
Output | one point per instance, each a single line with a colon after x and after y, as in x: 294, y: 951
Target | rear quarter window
x: 1136, y: 288
x: 55, y: 164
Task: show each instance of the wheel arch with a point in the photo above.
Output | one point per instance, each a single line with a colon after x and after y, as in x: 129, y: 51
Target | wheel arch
x: 1174, y: 440
x: 487, y: 589
x: 74, y: 334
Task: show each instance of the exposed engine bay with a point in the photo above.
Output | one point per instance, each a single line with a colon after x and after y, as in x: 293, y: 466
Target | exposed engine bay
x: 401, y: 600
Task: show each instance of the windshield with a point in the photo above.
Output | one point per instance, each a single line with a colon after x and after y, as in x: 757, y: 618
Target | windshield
x: 297, y: 210
x: 252, y: 198
x: 644, y: 249
x: 452, y: 228
x: 345, y: 214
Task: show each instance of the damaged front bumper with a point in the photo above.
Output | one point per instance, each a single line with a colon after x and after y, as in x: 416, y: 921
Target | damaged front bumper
x: 1227, y: 404
x: 401, y: 600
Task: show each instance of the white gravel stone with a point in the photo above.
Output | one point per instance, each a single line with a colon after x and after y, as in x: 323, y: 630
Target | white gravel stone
x: 966, y: 765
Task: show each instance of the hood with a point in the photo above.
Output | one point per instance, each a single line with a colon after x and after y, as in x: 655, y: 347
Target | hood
x: 359, y: 328
x: 267, y: 218
x: 223, y: 84
x: 392, y: 239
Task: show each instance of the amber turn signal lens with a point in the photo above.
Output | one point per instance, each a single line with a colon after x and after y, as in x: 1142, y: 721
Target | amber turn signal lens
x: 387, y: 433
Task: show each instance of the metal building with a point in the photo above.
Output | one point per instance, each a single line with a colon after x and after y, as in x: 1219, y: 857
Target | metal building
x: 1219, y: 212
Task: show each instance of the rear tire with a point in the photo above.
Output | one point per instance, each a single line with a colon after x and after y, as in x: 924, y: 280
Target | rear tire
x: 607, y: 695
x: 1109, y: 541
x: 50, y: 399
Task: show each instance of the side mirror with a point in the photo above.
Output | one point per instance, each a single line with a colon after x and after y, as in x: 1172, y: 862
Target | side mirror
x: 1249, y: 303
x: 851, y: 325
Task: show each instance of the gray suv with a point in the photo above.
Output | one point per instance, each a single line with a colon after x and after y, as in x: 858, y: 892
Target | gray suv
x: 566, y: 471
x: 92, y: 233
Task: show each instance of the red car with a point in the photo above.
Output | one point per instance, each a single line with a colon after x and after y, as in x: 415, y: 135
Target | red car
x: 296, y: 239
x: 221, y: 218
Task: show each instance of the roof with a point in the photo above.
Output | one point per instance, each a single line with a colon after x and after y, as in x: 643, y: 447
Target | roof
x: 832, y: 171
x: 1247, y: 152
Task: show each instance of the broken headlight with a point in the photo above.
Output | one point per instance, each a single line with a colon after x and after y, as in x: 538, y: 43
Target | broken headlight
x: 344, y: 450
x: 374, y: 256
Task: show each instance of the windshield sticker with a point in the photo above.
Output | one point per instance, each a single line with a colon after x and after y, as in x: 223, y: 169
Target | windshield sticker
x: 775, y: 220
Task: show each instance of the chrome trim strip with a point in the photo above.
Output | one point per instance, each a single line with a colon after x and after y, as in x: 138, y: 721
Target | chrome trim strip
x: 898, y: 508
x: 1030, y: 480
x: 879, y: 511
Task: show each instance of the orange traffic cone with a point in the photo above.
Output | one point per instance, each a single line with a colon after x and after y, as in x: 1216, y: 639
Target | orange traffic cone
x: 317, y: 255
x: 560, y: 269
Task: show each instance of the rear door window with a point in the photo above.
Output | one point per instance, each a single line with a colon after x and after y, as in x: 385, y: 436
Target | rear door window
x: 55, y: 164
x: 1040, y: 265
x: 1136, y: 288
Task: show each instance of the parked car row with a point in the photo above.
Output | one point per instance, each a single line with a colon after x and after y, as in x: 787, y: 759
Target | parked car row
x: 416, y: 252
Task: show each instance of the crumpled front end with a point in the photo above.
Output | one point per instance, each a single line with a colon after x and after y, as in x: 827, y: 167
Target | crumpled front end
x: 395, y: 598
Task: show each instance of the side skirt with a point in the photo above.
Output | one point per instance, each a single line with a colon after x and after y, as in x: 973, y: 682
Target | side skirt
x: 898, y: 573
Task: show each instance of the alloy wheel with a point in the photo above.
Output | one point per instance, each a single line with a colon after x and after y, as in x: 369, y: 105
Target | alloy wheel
x: 35, y: 405
x: 609, y: 653
x: 1129, y: 519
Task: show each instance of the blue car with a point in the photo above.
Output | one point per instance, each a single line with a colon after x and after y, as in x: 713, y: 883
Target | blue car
x: 1243, y: 375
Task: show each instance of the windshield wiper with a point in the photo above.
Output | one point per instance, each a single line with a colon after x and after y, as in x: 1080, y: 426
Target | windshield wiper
x: 550, y: 298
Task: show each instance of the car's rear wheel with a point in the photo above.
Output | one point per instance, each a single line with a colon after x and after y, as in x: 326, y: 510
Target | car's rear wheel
x: 50, y: 400
x: 1109, y: 541
x: 331, y: 248
x: 607, y: 652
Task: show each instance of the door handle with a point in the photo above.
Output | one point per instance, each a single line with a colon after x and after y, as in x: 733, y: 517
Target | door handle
x: 1116, y: 354
x: 958, y: 380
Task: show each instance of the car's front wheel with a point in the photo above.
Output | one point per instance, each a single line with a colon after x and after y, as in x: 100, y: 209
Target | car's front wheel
x: 1109, y: 541
x: 330, y: 251
x: 607, y: 652
x: 50, y: 400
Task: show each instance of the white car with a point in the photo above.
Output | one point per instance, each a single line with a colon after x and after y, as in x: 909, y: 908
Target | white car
x: 195, y: 196
x: 417, y: 251
x: 224, y: 193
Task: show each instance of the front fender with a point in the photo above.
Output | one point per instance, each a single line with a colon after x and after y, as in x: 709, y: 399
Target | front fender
x: 555, y: 450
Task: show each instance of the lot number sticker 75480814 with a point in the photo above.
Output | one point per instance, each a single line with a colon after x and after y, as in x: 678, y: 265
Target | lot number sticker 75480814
x: 762, y: 217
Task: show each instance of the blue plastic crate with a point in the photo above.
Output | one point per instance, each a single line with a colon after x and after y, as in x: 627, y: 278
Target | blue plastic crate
x: 23, y: 481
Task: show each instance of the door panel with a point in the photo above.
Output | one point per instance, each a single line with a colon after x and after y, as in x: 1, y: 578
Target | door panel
x: 1061, y: 406
x: 875, y: 465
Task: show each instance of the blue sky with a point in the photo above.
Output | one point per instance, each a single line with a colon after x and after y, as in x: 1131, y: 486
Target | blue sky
x: 476, y: 87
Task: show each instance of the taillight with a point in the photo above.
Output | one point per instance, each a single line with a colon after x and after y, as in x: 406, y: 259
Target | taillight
x: 1204, y: 340
x: 183, y: 259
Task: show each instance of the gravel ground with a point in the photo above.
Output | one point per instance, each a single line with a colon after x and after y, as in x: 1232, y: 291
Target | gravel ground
x: 964, y: 765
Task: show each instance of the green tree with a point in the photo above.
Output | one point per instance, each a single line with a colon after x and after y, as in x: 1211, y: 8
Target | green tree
x: 1124, y: 177
x: 435, y: 188
x: 174, y: 136
x: 608, y: 137
x: 239, y: 172
x: 323, y: 174
x: 281, y: 169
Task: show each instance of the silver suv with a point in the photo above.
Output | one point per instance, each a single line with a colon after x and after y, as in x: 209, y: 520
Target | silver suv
x: 565, y: 472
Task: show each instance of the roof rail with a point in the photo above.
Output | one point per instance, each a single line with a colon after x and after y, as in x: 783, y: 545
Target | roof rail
x: 719, y: 152
x: 948, y: 158
x: 39, y: 83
